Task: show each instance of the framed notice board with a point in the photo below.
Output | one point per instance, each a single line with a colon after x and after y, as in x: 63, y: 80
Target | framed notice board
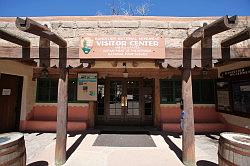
x: 224, y: 95
x: 87, y: 86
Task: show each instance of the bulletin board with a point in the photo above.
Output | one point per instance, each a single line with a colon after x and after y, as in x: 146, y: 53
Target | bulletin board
x: 87, y: 86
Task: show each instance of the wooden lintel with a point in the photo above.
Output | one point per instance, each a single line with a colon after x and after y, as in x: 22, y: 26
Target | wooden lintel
x: 31, y: 26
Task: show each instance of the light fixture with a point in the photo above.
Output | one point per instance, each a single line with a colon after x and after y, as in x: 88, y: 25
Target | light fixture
x: 125, y: 73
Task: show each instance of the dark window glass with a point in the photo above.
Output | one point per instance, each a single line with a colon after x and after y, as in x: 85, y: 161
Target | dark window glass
x: 72, y: 89
x: 148, y: 96
x: 47, y: 89
x: 241, y: 96
x: 203, y: 91
x: 43, y: 89
x: 100, y: 97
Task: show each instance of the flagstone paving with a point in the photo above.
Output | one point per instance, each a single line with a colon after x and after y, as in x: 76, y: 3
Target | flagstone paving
x: 82, y: 149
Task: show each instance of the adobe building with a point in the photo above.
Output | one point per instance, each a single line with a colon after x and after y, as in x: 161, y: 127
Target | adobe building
x: 124, y: 71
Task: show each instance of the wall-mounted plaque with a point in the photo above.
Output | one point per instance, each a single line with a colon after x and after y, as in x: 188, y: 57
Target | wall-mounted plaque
x: 122, y: 47
x: 87, y: 86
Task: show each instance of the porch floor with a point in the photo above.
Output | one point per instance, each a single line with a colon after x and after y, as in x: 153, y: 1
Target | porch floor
x: 81, y: 149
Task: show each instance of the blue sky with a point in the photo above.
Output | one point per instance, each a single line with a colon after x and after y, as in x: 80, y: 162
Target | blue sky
x: 92, y: 7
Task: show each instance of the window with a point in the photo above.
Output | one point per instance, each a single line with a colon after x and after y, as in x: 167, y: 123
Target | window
x: 241, y: 96
x: 47, y: 90
x: 203, y: 91
x: 170, y: 91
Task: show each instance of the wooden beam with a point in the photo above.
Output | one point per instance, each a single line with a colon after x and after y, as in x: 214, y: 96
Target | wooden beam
x: 195, y: 37
x: 239, y: 37
x: 226, y: 43
x: 220, y: 25
x: 62, y: 112
x: 206, y: 52
x: 44, y: 52
x: 188, y: 144
x: 5, y: 35
x: 36, y: 28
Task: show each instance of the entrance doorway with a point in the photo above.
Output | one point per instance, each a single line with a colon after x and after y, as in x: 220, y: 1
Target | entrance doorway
x: 10, y: 102
x: 125, y: 101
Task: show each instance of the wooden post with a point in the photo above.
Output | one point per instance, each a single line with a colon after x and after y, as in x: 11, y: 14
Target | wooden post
x: 206, y: 52
x: 62, y: 113
x: 157, y: 102
x: 91, y: 122
x: 188, y: 139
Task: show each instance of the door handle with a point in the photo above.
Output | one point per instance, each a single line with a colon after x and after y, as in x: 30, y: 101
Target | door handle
x: 124, y: 102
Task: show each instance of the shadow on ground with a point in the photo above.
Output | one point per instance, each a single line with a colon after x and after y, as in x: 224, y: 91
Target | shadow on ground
x: 39, y: 163
x: 205, y: 163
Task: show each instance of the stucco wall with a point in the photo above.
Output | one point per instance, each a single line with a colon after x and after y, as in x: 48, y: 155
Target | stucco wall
x: 29, y: 86
x: 173, y: 29
x: 232, y: 119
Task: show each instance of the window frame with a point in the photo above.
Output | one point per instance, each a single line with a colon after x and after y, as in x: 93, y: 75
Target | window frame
x: 55, y: 101
x: 200, y: 84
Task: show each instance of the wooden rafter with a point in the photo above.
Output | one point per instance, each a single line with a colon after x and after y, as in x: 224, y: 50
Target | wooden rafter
x: 36, y: 28
x: 239, y: 37
x: 220, y: 25
x: 5, y: 35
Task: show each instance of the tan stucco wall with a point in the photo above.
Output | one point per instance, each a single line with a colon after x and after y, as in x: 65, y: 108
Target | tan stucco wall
x: 29, y: 86
x: 235, y: 120
x: 173, y: 29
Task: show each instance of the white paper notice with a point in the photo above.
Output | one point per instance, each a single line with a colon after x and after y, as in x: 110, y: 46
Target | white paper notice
x: 6, y: 92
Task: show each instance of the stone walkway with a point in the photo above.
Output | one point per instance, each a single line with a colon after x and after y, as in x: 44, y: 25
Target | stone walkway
x: 80, y: 150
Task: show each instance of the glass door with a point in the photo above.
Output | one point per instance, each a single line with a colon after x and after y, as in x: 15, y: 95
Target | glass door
x: 115, y: 113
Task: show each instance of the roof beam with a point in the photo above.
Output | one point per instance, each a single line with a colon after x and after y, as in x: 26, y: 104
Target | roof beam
x: 218, y: 26
x: 5, y: 35
x: 239, y: 37
x: 31, y: 26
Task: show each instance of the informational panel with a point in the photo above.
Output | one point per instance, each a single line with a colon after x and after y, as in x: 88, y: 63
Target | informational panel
x: 122, y: 47
x: 223, y: 96
x: 87, y: 86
